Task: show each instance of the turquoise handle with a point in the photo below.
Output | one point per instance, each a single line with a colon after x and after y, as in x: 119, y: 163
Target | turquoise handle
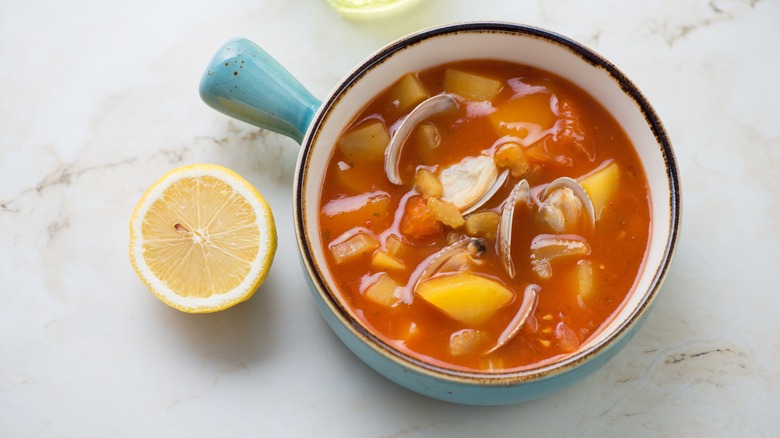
x: 245, y: 82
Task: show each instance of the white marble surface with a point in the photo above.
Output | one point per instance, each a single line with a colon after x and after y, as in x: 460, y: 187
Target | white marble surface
x: 98, y: 99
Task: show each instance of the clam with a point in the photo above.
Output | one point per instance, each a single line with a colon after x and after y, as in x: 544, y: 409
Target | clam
x: 471, y: 182
x: 454, y: 257
x: 530, y: 298
x: 564, y: 203
x: 430, y: 107
x: 520, y: 193
x: 497, y: 184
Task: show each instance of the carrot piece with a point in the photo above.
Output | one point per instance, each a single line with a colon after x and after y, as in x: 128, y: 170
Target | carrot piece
x: 418, y: 222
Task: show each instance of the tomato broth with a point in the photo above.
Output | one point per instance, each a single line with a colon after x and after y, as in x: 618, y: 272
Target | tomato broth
x: 381, y: 238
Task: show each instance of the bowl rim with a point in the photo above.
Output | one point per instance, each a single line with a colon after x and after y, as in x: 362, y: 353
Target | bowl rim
x: 508, y: 378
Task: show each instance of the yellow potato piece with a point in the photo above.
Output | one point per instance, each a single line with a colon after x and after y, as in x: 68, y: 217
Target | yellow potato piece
x: 527, y: 118
x: 385, y: 262
x: 601, y: 185
x: 471, y: 86
x: 408, y: 93
x: 366, y: 143
x: 427, y: 136
x: 465, y: 297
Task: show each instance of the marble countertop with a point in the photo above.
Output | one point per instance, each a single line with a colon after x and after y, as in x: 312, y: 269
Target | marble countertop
x: 99, y: 99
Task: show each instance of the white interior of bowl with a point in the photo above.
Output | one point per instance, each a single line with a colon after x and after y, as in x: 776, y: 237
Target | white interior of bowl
x: 519, y: 48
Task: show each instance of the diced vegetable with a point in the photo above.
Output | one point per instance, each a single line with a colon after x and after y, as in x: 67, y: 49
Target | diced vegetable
x: 408, y: 93
x: 483, y: 224
x: 418, y: 222
x: 427, y: 136
x: 353, y: 247
x: 446, y: 213
x: 385, y: 262
x: 471, y: 86
x: 584, y: 278
x: 365, y: 143
x: 383, y: 291
x: 527, y: 118
x: 371, y: 209
x: 510, y: 156
x: 546, y: 248
x: 601, y: 185
x: 464, y: 296
x: 427, y: 184
x: 394, y: 246
x: 351, y: 178
x: 466, y: 341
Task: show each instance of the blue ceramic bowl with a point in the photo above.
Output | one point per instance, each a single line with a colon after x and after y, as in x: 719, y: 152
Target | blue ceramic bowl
x: 246, y: 83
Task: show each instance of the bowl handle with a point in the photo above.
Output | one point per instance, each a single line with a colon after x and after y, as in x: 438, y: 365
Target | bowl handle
x: 245, y: 82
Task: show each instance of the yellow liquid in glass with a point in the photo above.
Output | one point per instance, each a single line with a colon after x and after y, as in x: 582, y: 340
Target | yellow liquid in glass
x: 366, y: 8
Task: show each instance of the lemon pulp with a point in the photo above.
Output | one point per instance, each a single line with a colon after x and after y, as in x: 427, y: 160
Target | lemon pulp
x: 202, y: 238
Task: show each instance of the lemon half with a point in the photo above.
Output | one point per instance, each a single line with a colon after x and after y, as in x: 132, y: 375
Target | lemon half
x: 202, y: 238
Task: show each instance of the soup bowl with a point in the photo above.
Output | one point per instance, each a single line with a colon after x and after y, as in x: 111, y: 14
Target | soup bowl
x: 244, y: 82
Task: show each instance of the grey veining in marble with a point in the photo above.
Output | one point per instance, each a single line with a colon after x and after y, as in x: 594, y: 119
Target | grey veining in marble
x: 99, y: 99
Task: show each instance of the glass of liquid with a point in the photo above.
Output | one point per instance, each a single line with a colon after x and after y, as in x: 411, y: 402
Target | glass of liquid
x: 369, y: 8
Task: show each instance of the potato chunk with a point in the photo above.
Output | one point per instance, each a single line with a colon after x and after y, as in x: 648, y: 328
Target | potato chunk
x: 383, y: 291
x: 465, y: 297
x: 370, y: 209
x: 365, y: 143
x: 427, y: 136
x: 527, y: 118
x: 351, y: 178
x: 408, y: 92
x: 601, y: 185
x: 385, y: 262
x: 471, y: 86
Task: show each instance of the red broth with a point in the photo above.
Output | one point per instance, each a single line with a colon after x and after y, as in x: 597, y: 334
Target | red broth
x: 560, y: 131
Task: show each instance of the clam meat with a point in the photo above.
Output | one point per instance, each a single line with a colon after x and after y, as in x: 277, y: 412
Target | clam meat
x: 467, y: 183
x: 565, y: 205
